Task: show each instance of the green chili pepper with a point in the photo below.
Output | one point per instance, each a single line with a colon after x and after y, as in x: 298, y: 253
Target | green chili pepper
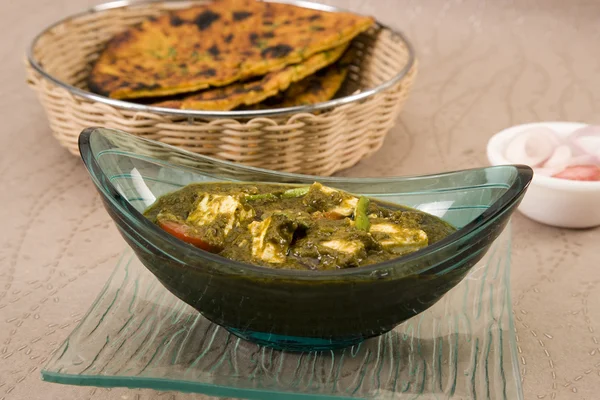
x: 360, y: 214
x: 288, y: 194
x: 296, y: 192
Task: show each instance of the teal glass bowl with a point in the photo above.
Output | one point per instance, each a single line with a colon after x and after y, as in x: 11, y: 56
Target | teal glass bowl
x: 289, y: 309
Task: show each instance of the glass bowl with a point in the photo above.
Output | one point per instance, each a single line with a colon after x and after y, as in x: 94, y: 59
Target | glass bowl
x: 289, y: 309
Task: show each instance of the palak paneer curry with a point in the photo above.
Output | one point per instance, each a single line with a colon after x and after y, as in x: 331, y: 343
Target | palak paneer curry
x: 282, y: 226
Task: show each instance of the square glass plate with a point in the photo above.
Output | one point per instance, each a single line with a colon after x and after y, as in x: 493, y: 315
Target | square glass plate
x: 137, y: 334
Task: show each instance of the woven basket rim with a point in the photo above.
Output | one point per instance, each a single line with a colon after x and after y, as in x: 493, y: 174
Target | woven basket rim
x: 125, y: 105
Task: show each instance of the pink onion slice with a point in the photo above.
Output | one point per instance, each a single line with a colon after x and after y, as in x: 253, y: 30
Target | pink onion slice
x: 532, y: 147
x: 563, y: 158
x: 575, y: 157
x: 590, y: 144
x: 560, y: 157
x: 587, y: 140
x: 547, y: 171
x: 584, y: 159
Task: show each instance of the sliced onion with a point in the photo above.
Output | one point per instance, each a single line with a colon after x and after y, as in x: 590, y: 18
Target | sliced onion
x: 584, y: 159
x: 587, y: 140
x: 555, y: 156
x: 532, y: 147
x: 590, y: 144
x: 563, y: 159
x: 560, y: 158
x: 588, y: 130
x: 574, y: 161
x: 547, y: 171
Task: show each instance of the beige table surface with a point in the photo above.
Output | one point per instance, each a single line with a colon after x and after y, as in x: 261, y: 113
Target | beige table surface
x: 485, y: 65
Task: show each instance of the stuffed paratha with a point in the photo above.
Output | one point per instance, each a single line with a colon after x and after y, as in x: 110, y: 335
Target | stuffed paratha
x: 316, y: 88
x: 215, y: 45
x: 232, y: 96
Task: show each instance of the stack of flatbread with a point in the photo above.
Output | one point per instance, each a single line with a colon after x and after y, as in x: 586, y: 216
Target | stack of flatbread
x: 230, y: 54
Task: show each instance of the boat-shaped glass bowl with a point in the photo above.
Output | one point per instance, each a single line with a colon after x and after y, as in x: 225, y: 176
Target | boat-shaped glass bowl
x: 291, y: 309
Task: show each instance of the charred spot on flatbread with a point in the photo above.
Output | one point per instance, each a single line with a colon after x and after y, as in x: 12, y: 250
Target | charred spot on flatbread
x: 277, y: 51
x: 175, y: 21
x: 241, y: 15
x: 205, y: 19
x: 214, y: 50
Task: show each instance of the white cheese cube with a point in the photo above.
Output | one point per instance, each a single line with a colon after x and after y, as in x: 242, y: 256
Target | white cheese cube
x: 268, y: 252
x: 347, y: 207
x: 214, y: 206
x: 344, y: 246
x: 394, y: 237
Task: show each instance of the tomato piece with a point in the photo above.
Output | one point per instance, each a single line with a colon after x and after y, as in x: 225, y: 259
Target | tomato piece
x: 580, y: 173
x: 332, y: 215
x: 182, y: 232
x: 327, y: 215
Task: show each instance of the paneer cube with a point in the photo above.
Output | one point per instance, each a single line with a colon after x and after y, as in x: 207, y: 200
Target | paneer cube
x: 398, y: 239
x: 347, y: 207
x: 341, y: 252
x: 223, y: 211
x: 327, y: 199
x: 350, y: 247
x: 271, y: 238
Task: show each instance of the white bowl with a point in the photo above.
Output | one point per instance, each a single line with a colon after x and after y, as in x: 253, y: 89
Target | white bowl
x: 558, y: 202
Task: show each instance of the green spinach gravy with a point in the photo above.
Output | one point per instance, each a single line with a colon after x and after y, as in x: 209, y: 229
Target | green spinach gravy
x: 282, y: 226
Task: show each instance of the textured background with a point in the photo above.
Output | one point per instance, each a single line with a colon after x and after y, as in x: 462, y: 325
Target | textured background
x: 485, y: 65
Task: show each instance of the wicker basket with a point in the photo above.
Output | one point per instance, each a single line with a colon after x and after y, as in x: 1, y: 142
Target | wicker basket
x: 316, y: 140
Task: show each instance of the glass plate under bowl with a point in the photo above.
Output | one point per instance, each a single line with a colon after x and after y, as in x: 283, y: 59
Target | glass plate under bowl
x: 141, y: 332
x: 138, y: 335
